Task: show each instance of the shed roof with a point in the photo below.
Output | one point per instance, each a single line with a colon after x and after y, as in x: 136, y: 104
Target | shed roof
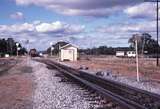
x: 68, y: 45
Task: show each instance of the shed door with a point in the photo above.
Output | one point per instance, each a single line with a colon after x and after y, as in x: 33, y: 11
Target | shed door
x: 69, y: 55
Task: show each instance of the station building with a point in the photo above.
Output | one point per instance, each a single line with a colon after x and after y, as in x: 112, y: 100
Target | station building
x: 68, y: 52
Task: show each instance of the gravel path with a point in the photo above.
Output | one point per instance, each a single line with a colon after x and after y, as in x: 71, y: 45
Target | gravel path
x: 52, y: 94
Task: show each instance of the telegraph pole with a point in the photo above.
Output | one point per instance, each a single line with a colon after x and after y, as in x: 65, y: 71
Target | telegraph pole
x: 157, y: 34
x: 51, y: 44
x: 137, y: 63
x: 157, y: 16
x: 17, y: 45
x: 27, y: 43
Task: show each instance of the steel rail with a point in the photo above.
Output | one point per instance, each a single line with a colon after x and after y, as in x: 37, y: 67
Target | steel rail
x: 99, y: 84
x: 141, y: 97
x: 115, y: 98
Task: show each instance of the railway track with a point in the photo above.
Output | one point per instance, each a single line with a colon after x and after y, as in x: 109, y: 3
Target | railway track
x: 123, y: 96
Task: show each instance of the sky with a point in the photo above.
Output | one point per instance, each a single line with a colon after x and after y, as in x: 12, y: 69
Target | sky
x: 85, y: 23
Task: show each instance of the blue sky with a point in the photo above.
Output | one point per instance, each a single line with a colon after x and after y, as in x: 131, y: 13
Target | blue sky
x: 86, y: 23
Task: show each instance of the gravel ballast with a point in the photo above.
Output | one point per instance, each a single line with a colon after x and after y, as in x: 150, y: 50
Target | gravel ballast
x: 51, y: 94
x: 144, y: 84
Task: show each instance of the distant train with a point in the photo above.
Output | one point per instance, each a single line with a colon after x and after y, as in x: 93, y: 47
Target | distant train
x: 33, y: 52
x: 129, y: 54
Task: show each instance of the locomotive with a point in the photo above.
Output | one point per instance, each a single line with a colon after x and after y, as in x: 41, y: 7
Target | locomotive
x: 33, y: 52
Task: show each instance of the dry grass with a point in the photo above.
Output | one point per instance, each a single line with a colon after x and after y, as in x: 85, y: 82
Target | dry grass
x: 123, y: 66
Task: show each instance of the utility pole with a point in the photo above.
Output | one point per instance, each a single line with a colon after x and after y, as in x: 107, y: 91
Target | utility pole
x: 137, y: 63
x: 52, y: 48
x: 17, y: 45
x: 51, y: 51
x: 157, y: 16
x: 17, y: 52
x: 51, y: 44
x: 59, y: 47
x: 26, y: 42
x: 157, y: 34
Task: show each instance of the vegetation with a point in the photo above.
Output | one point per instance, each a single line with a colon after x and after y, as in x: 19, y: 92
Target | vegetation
x: 104, y: 50
x: 56, y: 47
x: 9, y: 47
x: 145, y: 43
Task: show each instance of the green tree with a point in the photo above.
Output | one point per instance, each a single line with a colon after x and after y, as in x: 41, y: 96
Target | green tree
x: 145, y: 43
x: 9, y: 46
x: 56, y: 47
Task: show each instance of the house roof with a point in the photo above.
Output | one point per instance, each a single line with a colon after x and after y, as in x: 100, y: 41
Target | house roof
x: 68, y: 45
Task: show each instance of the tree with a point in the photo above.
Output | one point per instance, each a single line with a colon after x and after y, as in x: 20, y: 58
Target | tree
x: 3, y: 46
x: 9, y: 46
x: 145, y: 43
x: 150, y: 44
x: 133, y: 39
x: 56, y: 47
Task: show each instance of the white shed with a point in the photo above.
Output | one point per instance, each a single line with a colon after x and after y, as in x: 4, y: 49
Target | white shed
x: 68, y: 52
x: 120, y: 53
x: 131, y: 54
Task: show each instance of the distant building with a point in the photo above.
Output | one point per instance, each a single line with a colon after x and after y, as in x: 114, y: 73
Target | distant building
x: 68, y: 52
x: 6, y: 56
x: 131, y: 54
x: 120, y: 53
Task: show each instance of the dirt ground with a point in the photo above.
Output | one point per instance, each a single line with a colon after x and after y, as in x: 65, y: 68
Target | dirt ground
x: 6, y: 64
x: 15, y: 85
x: 16, y: 79
x: 120, y: 66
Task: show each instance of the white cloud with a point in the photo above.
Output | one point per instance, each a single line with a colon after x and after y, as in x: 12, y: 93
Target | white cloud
x: 91, y: 12
x: 114, y: 34
x: 50, y: 27
x: 143, y: 10
x: 42, y: 27
x: 145, y: 26
x: 95, y: 8
x: 101, y: 39
x: 17, y: 16
x: 40, y: 33
x: 120, y: 33
x: 17, y: 28
x: 59, y: 27
x: 74, y: 29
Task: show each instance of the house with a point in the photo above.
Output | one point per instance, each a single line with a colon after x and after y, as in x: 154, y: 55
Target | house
x: 68, y: 52
x: 128, y: 54
x: 131, y: 54
x: 120, y: 53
